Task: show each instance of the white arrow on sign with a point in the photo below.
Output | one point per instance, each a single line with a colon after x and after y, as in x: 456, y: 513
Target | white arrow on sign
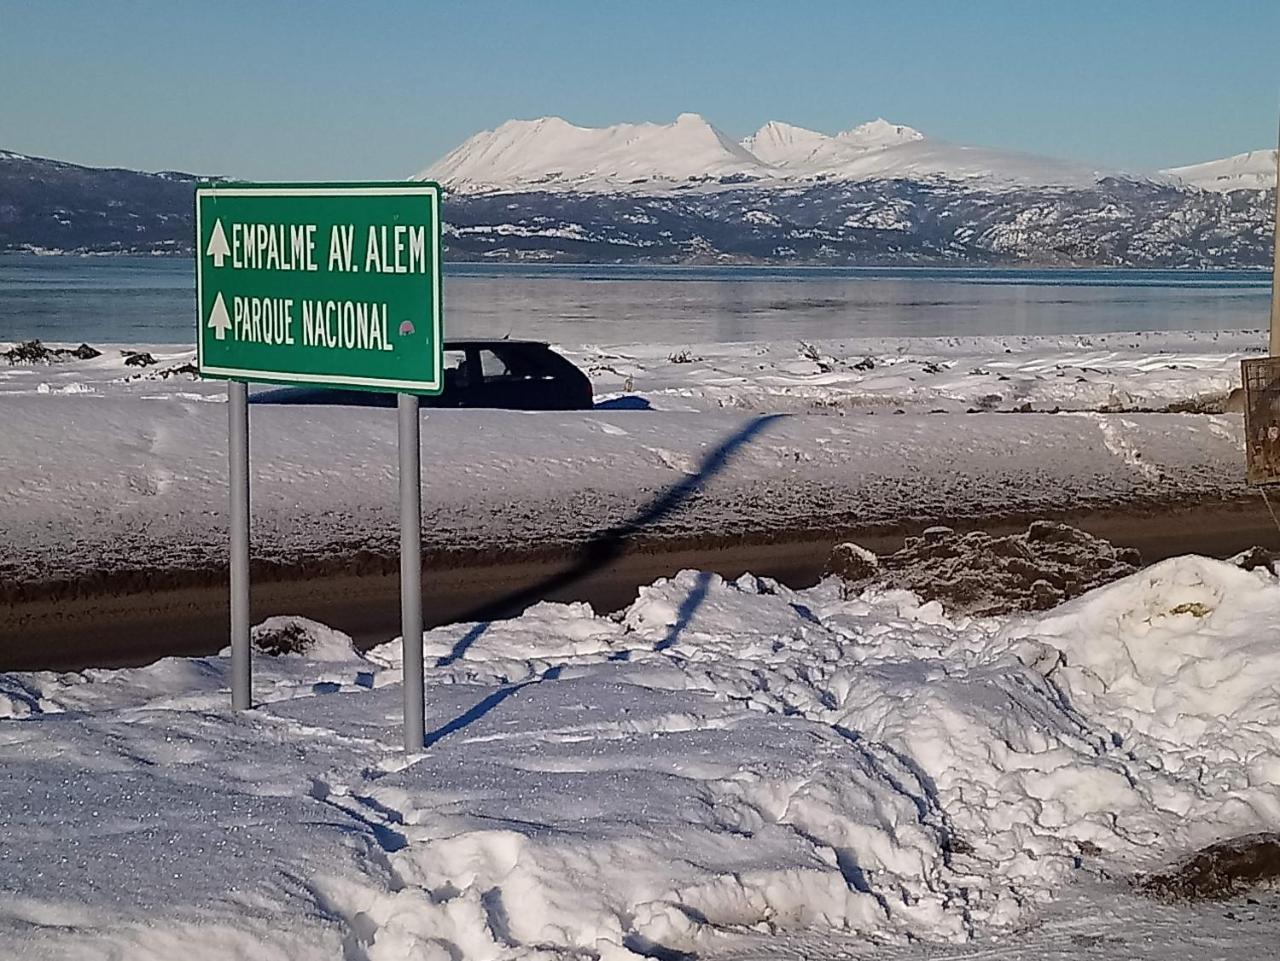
x: 218, y: 319
x: 218, y: 248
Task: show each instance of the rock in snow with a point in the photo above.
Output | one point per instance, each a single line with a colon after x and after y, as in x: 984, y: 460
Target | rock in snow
x: 721, y: 763
x: 288, y: 636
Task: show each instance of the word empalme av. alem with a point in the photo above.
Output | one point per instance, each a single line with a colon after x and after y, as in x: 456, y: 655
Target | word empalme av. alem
x: 396, y: 249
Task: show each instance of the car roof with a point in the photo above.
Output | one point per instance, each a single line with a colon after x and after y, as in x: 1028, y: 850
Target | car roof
x: 451, y: 344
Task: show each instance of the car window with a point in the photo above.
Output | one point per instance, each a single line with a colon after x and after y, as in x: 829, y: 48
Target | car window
x: 492, y: 367
x: 528, y: 363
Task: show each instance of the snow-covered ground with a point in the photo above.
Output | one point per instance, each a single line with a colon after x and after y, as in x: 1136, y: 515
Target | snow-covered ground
x: 721, y: 769
x: 1121, y: 371
x: 1076, y: 372
x: 107, y: 466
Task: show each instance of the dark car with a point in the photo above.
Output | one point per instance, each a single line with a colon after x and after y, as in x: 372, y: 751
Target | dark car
x: 511, y: 374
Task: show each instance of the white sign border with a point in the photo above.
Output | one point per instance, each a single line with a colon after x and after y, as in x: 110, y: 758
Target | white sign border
x: 431, y: 190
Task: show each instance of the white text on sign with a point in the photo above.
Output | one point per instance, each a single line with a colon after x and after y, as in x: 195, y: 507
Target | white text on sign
x: 332, y: 324
x: 388, y: 249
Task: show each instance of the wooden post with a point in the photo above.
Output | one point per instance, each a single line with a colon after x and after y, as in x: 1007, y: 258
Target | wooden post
x: 1274, y: 350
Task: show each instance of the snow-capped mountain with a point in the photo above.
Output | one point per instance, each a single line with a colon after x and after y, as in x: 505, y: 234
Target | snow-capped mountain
x: 878, y: 193
x: 1255, y: 170
x: 879, y: 133
x: 807, y: 151
x: 784, y: 145
x: 880, y: 150
x: 552, y: 154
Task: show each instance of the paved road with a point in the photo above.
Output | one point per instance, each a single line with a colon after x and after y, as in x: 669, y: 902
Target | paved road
x: 137, y: 628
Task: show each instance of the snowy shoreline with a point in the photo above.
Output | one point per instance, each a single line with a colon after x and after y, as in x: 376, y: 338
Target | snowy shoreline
x: 160, y: 507
x: 109, y: 468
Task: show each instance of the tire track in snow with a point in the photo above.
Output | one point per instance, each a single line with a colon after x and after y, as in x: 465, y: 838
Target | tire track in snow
x: 1115, y: 440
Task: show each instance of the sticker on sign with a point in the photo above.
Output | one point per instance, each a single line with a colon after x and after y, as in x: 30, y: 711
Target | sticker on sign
x: 330, y: 284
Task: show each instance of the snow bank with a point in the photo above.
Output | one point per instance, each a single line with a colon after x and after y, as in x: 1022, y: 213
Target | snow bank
x: 1180, y: 662
x: 720, y: 761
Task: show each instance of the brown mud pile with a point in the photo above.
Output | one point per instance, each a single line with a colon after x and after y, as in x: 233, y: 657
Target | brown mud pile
x: 1221, y: 871
x: 282, y: 636
x: 981, y: 574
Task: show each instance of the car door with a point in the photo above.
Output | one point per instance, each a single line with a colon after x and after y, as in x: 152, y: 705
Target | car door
x: 499, y: 385
x: 542, y: 383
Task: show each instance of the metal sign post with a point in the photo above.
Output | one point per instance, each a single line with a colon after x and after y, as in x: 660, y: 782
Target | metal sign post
x: 238, y: 479
x: 332, y: 285
x: 411, y: 572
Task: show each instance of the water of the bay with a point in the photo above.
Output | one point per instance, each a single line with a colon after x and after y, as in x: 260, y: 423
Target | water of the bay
x: 151, y: 300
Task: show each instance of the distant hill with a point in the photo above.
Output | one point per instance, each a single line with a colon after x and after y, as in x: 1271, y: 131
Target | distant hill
x: 52, y: 205
x: 879, y: 193
x: 1115, y: 223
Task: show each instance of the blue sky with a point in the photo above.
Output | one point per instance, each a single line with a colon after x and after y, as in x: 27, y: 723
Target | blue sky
x: 379, y: 90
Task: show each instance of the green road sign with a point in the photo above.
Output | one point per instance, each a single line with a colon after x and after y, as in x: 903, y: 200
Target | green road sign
x: 333, y: 284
